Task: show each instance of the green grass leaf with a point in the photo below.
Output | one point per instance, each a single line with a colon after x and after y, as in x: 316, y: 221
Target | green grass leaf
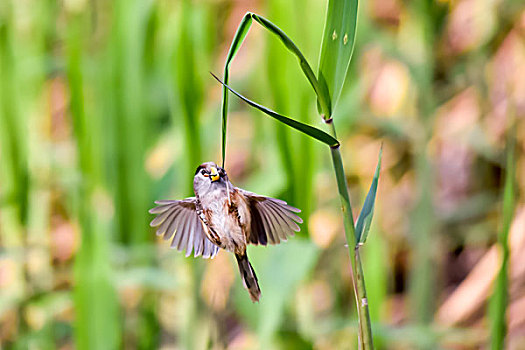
x: 321, y: 91
x: 237, y: 41
x: 337, y: 46
x: 499, y: 299
x: 317, y: 134
x: 365, y: 217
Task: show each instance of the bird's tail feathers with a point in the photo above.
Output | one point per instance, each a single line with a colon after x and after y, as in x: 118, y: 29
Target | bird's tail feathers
x: 249, y: 279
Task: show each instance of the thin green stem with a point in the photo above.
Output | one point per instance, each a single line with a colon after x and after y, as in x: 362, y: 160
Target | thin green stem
x: 363, y: 312
x: 500, y: 297
x: 358, y: 280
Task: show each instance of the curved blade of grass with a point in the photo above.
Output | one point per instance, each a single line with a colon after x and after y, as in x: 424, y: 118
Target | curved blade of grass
x: 365, y: 217
x: 237, y: 41
x: 337, y: 46
x: 321, y: 90
x: 499, y: 299
x: 311, y: 131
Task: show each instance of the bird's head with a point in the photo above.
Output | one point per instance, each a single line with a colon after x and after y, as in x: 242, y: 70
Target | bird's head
x: 209, y: 174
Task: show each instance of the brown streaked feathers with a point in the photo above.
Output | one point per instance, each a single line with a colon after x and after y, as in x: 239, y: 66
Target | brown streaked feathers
x: 179, y: 220
x: 273, y: 221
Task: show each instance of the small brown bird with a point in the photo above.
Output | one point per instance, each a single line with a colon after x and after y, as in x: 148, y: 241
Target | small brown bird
x: 223, y: 216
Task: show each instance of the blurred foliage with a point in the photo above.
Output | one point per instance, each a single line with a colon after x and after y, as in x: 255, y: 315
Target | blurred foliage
x: 108, y: 105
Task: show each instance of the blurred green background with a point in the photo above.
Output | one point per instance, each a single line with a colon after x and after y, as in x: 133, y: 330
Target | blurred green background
x: 106, y: 106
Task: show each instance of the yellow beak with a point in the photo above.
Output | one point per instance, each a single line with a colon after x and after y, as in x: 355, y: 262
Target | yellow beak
x: 214, y: 175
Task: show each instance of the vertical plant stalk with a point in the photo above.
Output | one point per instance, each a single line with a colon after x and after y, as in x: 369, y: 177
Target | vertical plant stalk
x: 423, y: 224
x: 358, y: 280
x: 336, y: 52
x: 13, y: 163
x: 97, y: 310
x: 500, y: 297
x: 129, y: 134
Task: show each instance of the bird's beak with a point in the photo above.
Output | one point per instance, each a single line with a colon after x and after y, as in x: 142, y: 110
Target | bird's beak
x: 214, y: 175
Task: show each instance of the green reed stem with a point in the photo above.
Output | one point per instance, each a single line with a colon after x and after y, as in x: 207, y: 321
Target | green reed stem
x: 358, y: 280
x: 498, y: 302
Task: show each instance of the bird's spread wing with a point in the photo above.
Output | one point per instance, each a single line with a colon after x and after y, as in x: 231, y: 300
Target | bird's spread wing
x: 272, y: 220
x: 178, y: 220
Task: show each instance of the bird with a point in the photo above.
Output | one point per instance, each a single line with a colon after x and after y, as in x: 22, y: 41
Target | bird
x: 222, y: 216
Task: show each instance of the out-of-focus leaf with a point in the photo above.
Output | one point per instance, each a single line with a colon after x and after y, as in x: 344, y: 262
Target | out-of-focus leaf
x: 499, y: 300
x: 189, y: 87
x: 150, y: 277
x: 337, y: 46
x: 322, y: 92
x: 365, y: 217
x: 279, y: 271
x: 317, y: 134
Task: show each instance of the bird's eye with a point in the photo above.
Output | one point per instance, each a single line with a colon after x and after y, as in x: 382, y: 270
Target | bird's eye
x: 204, y: 173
